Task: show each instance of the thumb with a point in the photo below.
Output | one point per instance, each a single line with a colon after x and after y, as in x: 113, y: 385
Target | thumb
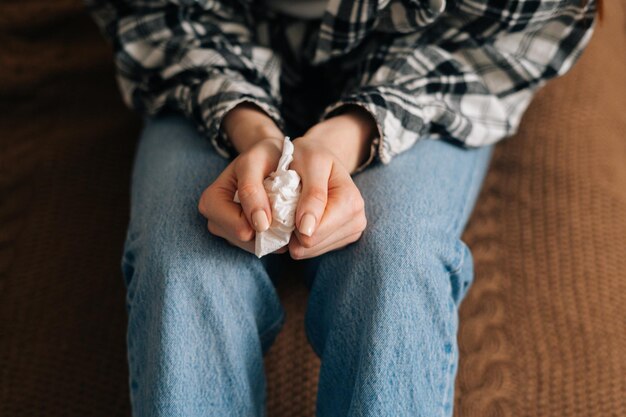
x: 314, y: 196
x: 252, y: 195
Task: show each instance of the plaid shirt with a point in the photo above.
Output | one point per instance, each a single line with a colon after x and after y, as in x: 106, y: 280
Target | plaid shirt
x: 464, y: 70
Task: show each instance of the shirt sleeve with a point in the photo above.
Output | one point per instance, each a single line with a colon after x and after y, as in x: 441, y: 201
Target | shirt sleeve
x: 196, y: 57
x: 469, y: 78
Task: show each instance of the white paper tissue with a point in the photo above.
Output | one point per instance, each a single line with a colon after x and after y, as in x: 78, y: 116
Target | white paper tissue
x: 283, y: 189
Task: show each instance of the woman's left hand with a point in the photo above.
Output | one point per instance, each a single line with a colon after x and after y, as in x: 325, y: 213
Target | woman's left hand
x: 331, y: 210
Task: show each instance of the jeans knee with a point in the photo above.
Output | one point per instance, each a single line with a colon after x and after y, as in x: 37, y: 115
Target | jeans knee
x: 423, y: 253
x: 162, y: 249
x: 214, y: 282
x: 390, y: 278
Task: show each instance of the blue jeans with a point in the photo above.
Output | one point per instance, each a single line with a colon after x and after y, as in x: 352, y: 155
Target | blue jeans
x: 382, y: 313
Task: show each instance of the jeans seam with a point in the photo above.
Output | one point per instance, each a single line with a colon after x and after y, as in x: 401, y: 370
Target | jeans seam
x: 448, y: 377
x: 452, y: 335
x: 451, y: 340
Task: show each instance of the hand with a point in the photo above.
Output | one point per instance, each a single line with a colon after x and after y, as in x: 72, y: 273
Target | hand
x: 260, y: 147
x: 331, y: 210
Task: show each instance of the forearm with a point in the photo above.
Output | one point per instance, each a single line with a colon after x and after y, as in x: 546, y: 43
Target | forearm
x: 246, y: 124
x: 224, y: 66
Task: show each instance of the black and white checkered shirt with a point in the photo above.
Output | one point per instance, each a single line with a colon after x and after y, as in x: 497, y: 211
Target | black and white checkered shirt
x: 462, y: 70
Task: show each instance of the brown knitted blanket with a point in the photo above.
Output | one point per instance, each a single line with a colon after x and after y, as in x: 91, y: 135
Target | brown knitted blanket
x: 543, y: 327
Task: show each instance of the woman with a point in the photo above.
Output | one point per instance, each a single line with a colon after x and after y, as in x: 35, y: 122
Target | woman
x: 394, y: 106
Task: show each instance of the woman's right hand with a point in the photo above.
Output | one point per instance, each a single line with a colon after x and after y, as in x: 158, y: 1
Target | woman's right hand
x: 259, y: 143
x: 238, y: 223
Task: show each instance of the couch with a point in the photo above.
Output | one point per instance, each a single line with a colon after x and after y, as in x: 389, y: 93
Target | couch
x: 542, y: 328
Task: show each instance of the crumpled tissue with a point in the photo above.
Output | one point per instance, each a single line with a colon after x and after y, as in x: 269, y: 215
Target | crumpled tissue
x: 283, y: 189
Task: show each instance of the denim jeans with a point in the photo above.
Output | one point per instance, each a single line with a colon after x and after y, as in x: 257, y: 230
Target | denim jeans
x: 382, y: 313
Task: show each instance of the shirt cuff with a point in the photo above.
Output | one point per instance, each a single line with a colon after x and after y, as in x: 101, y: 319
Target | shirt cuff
x: 212, y: 107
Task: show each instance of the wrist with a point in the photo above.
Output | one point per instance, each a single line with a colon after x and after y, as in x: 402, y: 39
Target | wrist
x: 246, y: 124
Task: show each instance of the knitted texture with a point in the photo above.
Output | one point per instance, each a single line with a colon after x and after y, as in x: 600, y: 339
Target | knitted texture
x: 542, y: 328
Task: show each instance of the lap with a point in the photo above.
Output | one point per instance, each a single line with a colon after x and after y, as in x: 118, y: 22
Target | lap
x: 428, y: 190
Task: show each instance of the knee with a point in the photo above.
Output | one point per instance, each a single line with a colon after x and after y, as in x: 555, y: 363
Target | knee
x: 166, y: 257
x: 398, y: 268
x: 175, y: 274
x: 157, y: 267
x: 418, y: 253
x: 393, y: 268
x: 409, y: 278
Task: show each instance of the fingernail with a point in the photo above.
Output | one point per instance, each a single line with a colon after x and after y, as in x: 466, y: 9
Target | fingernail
x: 259, y: 221
x: 307, y: 223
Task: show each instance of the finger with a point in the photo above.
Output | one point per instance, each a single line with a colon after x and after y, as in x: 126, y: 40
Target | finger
x: 336, y: 245
x: 314, y: 172
x: 247, y: 246
x: 297, y: 251
x: 222, y: 189
x: 233, y: 222
x: 354, y: 224
x: 345, y: 204
x: 254, y: 201
x: 250, y: 246
x: 217, y: 205
x: 218, y: 231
